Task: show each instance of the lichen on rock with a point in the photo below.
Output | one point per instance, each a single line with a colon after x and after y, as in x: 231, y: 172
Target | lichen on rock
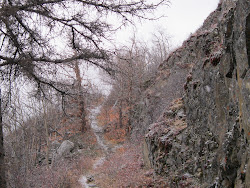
x: 202, y: 139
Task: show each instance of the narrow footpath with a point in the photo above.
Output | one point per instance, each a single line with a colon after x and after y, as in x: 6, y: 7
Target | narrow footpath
x: 88, y: 180
x: 118, y: 165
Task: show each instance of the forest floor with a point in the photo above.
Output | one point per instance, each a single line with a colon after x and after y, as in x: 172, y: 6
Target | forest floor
x: 107, y: 160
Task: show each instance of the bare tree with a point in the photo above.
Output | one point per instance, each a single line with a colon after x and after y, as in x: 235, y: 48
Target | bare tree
x: 159, y: 51
x: 129, y: 77
x: 134, y: 66
x: 29, y: 31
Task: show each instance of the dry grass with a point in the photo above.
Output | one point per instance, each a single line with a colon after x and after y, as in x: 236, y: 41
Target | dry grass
x: 125, y: 168
x: 115, y: 135
x: 64, y: 173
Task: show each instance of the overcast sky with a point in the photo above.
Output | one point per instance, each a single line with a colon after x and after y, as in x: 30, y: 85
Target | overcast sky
x: 182, y: 18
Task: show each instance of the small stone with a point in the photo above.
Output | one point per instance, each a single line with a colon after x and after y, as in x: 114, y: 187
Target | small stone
x: 90, y: 179
x: 210, y: 134
x: 208, y: 88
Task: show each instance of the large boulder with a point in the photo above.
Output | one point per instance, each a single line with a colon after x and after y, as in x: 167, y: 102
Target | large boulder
x: 65, y: 149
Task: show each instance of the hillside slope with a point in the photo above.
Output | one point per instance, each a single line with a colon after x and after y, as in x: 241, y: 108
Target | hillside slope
x: 202, y: 139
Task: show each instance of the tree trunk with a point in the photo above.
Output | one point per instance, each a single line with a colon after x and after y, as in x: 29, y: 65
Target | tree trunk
x: 47, y: 133
x: 83, y: 115
x: 2, y: 166
x: 81, y: 99
x: 130, y: 113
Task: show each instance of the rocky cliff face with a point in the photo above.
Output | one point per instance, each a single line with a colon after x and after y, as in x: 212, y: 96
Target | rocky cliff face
x: 204, y: 141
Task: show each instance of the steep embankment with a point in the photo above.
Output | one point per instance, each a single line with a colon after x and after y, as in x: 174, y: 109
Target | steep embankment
x: 203, y: 138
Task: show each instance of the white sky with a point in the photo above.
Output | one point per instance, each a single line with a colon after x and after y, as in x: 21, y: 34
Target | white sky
x: 181, y: 18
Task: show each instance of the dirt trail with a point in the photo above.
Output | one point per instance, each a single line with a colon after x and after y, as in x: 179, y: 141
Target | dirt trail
x: 86, y: 180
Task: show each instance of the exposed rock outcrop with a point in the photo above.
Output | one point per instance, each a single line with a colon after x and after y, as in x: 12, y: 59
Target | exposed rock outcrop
x: 210, y: 146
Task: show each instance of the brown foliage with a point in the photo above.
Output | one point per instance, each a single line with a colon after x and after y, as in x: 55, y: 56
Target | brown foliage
x: 109, y: 119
